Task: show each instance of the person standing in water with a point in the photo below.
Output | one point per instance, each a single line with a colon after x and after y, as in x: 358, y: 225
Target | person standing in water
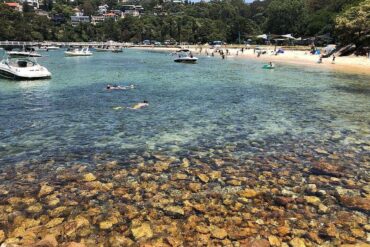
x: 333, y: 61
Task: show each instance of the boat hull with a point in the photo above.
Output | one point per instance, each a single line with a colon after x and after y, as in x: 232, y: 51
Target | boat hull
x: 24, y: 54
x: 71, y: 54
x: 11, y: 76
x: 26, y: 74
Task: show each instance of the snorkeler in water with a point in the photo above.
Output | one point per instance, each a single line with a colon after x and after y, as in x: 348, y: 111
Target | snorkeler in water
x: 140, y: 105
x: 117, y: 87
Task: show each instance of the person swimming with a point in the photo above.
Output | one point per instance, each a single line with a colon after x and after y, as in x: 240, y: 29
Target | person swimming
x: 117, y: 87
x: 140, y: 105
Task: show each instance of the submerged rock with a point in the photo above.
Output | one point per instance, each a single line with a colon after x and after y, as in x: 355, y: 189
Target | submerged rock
x: 54, y: 222
x: 274, y: 241
x: 36, y: 208
x: 104, y: 225
x: 252, y: 242
x: 47, y: 241
x: 203, y: 177
x: 45, y: 190
x: 174, y: 210
x: 217, y: 232
x: 89, y: 177
x: 143, y: 231
x: 248, y: 193
x: 195, y: 187
x: 312, y: 200
x: 327, y: 169
x: 297, y: 242
x: 356, y: 202
x: 2, y: 236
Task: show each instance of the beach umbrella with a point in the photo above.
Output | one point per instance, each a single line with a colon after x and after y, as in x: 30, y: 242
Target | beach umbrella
x: 287, y: 36
x: 262, y: 36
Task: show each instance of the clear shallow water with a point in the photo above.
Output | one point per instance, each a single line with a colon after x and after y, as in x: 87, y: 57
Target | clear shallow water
x: 213, y: 104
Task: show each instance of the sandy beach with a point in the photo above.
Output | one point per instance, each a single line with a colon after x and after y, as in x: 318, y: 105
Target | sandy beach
x: 348, y: 64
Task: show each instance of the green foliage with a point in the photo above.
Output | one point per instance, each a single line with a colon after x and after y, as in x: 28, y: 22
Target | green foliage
x: 353, y: 24
x: 63, y: 9
x: 286, y: 16
x: 227, y: 20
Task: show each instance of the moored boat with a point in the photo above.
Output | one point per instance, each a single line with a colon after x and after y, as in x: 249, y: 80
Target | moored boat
x: 185, y: 56
x: 78, y: 52
x: 114, y: 49
x: 22, y: 69
x: 25, y: 52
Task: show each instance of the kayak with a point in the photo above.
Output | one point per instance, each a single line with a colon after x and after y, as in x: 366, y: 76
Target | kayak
x: 267, y: 66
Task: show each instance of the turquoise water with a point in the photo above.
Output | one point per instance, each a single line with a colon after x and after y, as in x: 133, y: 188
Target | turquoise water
x: 214, y: 104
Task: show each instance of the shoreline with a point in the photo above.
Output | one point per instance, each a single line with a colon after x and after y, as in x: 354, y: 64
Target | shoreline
x: 348, y: 64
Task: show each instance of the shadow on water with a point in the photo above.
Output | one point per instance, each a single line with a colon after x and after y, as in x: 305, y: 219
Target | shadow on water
x: 359, y: 89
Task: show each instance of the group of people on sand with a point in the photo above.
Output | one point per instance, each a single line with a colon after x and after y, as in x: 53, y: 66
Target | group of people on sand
x: 136, y: 106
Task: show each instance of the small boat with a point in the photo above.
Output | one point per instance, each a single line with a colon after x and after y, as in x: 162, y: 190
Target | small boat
x: 25, y: 52
x: 268, y: 66
x: 115, y: 49
x: 22, y: 69
x: 78, y: 52
x: 185, y: 56
x: 52, y: 47
x: 102, y: 49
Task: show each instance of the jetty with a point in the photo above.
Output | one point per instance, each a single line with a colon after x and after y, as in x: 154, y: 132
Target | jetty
x: 9, y: 45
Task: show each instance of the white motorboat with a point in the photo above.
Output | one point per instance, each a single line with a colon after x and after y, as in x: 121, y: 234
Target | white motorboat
x: 48, y: 48
x: 115, y: 49
x: 78, y: 52
x: 52, y: 47
x: 25, y: 52
x: 22, y: 69
x: 185, y: 56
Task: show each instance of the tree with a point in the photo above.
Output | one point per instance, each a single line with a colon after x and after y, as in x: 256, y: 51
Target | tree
x: 88, y: 8
x: 286, y: 16
x: 353, y: 25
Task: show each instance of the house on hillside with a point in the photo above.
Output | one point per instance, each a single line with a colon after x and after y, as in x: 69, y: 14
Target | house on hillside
x: 101, y: 18
x: 133, y: 10
x: 41, y: 12
x: 32, y: 3
x: 173, y: 1
x: 159, y: 10
x: 58, y: 19
x: 77, y: 19
x: 103, y: 9
x: 15, y: 6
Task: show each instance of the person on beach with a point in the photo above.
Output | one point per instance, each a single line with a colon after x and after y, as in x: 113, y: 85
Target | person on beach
x: 140, y: 105
x: 320, y: 60
x: 333, y: 61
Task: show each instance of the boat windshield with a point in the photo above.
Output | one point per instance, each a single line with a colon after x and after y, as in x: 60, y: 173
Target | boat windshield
x: 21, y: 63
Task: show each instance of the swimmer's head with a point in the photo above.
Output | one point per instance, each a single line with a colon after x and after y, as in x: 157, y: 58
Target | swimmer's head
x: 145, y: 101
